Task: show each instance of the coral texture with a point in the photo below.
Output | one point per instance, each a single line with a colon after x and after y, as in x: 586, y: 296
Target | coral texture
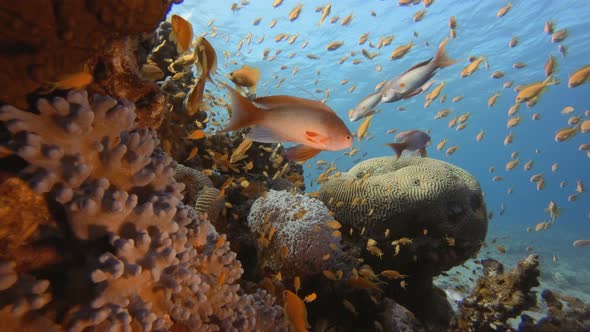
x: 302, y: 238
x: 164, y: 265
x: 59, y: 37
x: 199, y: 191
x: 437, y: 205
x: 575, y: 317
x: 499, y: 296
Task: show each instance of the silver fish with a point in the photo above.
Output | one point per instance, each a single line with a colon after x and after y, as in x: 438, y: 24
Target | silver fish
x: 410, y: 140
x: 411, y: 81
x: 366, y: 106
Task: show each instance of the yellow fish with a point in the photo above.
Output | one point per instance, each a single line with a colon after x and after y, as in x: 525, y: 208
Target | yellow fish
x: 472, y: 67
x: 399, y: 52
x: 334, y: 45
x: 535, y: 90
x: 579, y: 77
x: 364, y: 127
x: 294, y: 14
x: 504, y: 10
x: 325, y: 12
x: 247, y: 77
x: 183, y: 32
x: 206, y: 58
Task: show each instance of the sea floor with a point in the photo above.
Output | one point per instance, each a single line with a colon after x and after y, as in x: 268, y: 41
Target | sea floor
x: 564, y: 268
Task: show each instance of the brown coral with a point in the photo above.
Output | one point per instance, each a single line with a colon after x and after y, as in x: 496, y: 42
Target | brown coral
x: 42, y: 41
x: 499, y: 296
x: 436, y: 206
x: 22, y: 214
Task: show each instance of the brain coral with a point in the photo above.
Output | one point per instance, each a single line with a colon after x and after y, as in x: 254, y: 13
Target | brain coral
x: 163, y: 264
x: 437, y: 205
x: 200, y: 192
x: 301, y: 234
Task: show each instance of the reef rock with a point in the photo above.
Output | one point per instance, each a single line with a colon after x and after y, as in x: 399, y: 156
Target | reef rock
x: 499, y: 296
x: 294, y: 234
x: 44, y: 41
x: 422, y: 215
x: 564, y: 313
x: 143, y: 258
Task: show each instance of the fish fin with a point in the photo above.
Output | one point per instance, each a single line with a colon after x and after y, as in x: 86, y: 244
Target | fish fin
x: 423, y: 63
x: 311, y: 133
x: 398, y: 148
x: 311, y: 136
x: 244, y: 113
x: 301, y: 153
x: 551, y: 80
x: 262, y: 135
x: 441, y: 59
x: 413, y: 93
x: 423, y: 152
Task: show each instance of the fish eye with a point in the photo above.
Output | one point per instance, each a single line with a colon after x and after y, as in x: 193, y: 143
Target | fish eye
x: 348, y: 137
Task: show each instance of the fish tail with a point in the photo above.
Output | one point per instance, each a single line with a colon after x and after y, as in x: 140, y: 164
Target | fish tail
x: 398, y: 148
x: 441, y: 59
x: 244, y: 113
x: 551, y: 80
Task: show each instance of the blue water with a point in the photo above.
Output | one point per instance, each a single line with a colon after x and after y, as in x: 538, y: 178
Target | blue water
x: 479, y: 32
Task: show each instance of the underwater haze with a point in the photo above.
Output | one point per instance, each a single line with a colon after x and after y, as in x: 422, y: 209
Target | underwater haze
x: 516, y: 203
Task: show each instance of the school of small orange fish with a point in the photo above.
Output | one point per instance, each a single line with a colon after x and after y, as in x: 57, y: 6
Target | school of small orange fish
x: 328, y: 132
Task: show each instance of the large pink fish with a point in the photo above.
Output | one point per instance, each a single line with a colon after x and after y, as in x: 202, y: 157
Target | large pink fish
x: 273, y: 119
x: 411, y: 81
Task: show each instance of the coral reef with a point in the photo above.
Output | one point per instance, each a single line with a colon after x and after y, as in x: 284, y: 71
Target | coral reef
x: 499, y: 296
x: 433, y: 209
x: 398, y: 318
x: 144, y: 259
x: 575, y: 317
x: 59, y: 38
x: 295, y: 235
x: 117, y: 73
x: 25, y: 224
x: 200, y: 192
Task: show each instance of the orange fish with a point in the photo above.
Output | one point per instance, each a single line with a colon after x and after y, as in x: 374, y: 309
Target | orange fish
x: 206, y: 58
x: 311, y: 124
x: 183, y: 32
x: 550, y: 66
x: 566, y: 134
x: 296, y: 311
x: 579, y: 77
x: 71, y: 81
x: 504, y: 10
x: 247, y: 77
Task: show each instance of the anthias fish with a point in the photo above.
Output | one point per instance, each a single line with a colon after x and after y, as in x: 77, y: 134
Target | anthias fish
x: 411, y: 81
x: 311, y: 124
x: 411, y: 140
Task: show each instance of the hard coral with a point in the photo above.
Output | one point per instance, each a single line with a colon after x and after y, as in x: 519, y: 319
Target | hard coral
x: 200, y: 191
x: 575, y: 317
x: 437, y: 207
x: 45, y: 40
x: 162, y: 264
x: 302, y: 235
x: 499, y: 296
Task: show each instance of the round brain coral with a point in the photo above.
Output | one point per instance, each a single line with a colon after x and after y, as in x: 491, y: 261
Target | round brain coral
x: 425, y: 215
x: 305, y: 241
